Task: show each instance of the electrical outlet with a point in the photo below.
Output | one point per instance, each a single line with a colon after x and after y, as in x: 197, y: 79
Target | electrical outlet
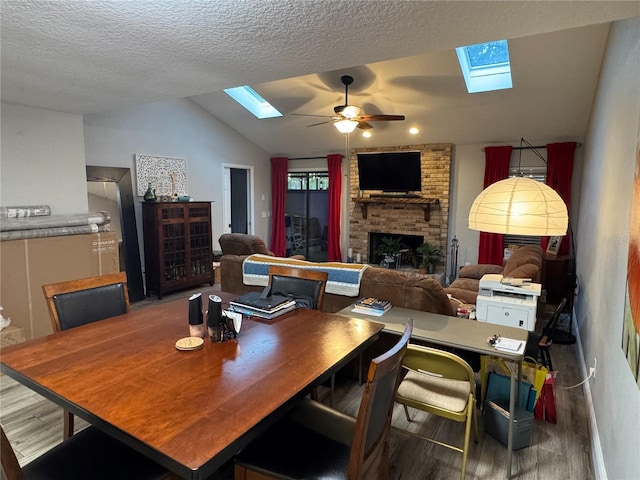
x: 592, y: 370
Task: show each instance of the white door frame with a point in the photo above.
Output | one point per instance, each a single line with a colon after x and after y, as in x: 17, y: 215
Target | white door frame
x: 226, y: 196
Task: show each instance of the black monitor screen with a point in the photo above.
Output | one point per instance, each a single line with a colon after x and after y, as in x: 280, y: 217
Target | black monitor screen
x: 390, y: 171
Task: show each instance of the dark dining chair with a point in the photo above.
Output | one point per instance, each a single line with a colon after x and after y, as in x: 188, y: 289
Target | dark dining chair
x: 299, y: 282
x: 89, y: 454
x: 314, y: 441
x: 86, y: 300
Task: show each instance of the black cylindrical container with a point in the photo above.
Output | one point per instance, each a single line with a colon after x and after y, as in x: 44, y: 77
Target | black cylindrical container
x: 196, y: 324
x: 214, y: 318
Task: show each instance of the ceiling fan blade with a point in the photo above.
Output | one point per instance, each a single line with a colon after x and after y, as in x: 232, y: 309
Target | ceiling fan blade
x: 310, y: 115
x: 321, y: 123
x: 379, y: 118
x: 364, y: 125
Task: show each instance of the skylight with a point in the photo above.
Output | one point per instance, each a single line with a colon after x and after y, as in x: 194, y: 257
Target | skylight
x: 485, y: 66
x: 252, y: 101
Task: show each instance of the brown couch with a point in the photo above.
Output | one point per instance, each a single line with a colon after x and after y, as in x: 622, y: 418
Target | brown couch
x: 524, y: 262
x: 401, y: 289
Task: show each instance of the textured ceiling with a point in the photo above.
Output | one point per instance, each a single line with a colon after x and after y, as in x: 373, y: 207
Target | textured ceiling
x: 84, y: 57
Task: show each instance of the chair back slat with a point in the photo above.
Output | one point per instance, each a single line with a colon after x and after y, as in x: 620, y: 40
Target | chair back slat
x: 78, y: 302
x: 370, y: 447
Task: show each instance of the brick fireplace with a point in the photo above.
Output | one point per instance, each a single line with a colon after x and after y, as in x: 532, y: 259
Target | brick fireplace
x: 426, y: 217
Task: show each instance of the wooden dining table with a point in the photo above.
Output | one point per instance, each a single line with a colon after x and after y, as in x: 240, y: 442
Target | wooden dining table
x: 190, y: 411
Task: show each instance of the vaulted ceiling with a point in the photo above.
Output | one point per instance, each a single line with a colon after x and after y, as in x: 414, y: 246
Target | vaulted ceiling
x: 86, y: 57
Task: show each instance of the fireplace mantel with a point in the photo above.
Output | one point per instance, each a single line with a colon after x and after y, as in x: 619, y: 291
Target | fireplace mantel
x: 425, y: 202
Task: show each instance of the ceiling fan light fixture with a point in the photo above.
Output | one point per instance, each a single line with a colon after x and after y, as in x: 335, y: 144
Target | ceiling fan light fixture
x: 414, y: 131
x: 350, y: 111
x: 366, y: 134
x: 345, y: 125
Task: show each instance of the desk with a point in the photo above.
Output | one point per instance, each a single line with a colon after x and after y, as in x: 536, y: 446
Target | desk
x: 457, y: 333
x: 190, y: 411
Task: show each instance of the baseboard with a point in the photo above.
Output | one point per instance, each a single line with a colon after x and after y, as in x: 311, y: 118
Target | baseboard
x: 597, y: 458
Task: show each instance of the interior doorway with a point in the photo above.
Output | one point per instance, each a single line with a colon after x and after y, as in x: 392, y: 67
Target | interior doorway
x: 110, y: 189
x: 237, y: 199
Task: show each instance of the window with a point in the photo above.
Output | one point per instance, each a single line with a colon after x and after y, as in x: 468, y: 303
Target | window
x: 252, y: 101
x: 535, y: 173
x: 485, y: 66
x: 308, y: 180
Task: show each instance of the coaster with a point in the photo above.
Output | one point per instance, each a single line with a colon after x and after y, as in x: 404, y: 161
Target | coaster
x: 189, y: 343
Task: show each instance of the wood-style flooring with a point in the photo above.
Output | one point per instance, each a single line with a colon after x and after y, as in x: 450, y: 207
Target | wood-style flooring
x: 561, y: 451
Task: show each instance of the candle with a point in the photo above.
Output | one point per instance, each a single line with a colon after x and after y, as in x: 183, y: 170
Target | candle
x: 350, y: 254
x: 358, y: 258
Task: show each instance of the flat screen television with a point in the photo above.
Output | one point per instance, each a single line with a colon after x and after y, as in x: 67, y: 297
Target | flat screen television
x: 397, y: 172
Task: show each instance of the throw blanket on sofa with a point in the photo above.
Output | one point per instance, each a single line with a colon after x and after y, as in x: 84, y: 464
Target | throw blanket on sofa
x: 343, y: 278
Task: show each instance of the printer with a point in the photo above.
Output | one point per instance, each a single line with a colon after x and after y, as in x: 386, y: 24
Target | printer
x: 507, y: 301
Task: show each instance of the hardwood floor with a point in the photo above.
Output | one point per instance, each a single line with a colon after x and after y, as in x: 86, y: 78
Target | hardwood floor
x: 561, y: 451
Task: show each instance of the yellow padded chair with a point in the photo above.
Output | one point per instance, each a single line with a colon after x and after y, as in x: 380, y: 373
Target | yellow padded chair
x: 442, y: 384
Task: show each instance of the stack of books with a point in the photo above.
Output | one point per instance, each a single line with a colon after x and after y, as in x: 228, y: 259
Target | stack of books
x: 371, y: 306
x: 254, y: 304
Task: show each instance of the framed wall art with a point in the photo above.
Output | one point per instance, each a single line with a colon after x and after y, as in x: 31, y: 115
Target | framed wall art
x: 167, y: 175
x: 553, y: 247
x: 631, y: 325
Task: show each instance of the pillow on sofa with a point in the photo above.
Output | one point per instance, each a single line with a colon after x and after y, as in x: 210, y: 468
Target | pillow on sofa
x: 525, y: 262
x: 478, y: 271
x: 528, y: 270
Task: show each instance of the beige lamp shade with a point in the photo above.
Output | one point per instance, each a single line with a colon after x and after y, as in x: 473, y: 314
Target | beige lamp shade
x: 519, y: 206
x: 345, y: 125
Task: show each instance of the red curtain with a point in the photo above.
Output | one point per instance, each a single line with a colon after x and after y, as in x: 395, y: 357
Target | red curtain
x: 334, y: 163
x: 491, y: 248
x: 559, y: 171
x: 279, y: 170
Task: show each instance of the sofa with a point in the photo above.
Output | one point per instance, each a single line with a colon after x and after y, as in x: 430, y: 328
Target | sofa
x: 400, y: 288
x: 524, y: 262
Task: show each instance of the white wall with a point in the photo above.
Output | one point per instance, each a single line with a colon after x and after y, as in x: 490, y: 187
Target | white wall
x: 179, y: 128
x: 42, y: 159
x: 602, y: 245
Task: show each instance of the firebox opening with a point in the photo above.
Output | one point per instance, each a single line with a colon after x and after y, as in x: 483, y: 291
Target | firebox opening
x: 407, y: 258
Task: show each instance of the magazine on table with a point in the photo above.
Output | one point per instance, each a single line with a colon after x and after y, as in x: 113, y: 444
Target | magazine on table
x: 373, y: 303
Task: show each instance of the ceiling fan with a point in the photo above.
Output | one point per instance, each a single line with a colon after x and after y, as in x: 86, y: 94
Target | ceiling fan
x: 348, y: 117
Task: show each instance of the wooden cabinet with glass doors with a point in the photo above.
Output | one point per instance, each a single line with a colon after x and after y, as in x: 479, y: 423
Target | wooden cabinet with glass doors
x: 177, y: 245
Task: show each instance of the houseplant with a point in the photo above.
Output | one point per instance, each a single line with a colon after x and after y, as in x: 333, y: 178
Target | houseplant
x: 430, y: 257
x: 389, y: 248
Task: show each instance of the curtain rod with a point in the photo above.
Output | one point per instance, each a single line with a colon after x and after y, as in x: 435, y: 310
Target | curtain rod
x: 310, y: 158
x: 532, y: 147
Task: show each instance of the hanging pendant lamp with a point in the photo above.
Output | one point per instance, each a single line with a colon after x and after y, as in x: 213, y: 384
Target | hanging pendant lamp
x: 519, y: 206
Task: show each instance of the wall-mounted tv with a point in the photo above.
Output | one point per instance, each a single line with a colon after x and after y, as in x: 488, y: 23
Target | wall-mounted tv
x: 390, y: 171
